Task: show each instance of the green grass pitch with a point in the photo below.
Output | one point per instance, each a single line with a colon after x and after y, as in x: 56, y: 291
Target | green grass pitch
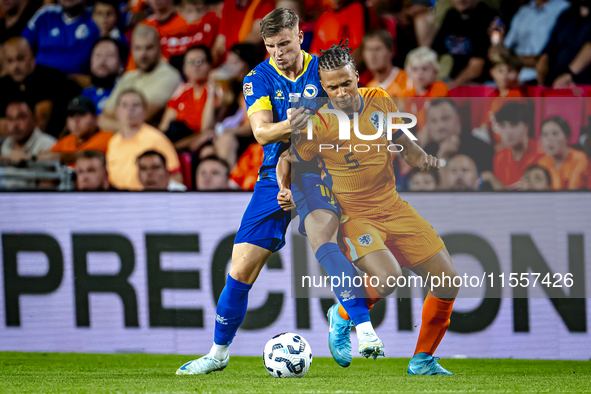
x: 144, y: 373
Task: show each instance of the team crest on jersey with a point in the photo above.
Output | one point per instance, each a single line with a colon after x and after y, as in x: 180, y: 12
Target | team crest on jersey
x: 310, y: 91
x: 375, y: 121
x: 279, y: 95
x: 248, y: 90
x: 82, y: 32
x: 365, y: 240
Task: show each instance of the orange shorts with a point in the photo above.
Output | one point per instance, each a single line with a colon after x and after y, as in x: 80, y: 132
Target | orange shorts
x: 401, y: 230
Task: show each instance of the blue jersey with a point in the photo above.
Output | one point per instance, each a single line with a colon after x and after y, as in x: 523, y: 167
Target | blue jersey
x: 62, y: 43
x: 99, y: 97
x: 267, y: 88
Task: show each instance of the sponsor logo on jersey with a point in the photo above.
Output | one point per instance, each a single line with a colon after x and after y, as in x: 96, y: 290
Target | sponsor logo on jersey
x: 310, y: 91
x: 82, y: 32
x: 54, y: 32
x: 248, y: 90
x: 365, y: 240
x: 279, y: 95
x: 253, y: 72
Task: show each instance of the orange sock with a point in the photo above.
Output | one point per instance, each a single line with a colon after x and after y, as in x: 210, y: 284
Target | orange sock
x: 434, y: 324
x: 372, y: 297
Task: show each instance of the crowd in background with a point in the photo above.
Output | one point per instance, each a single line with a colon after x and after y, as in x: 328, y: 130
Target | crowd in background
x: 147, y: 94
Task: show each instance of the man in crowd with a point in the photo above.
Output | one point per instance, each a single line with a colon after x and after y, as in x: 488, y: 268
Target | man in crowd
x: 464, y: 36
x: 212, y: 174
x: 444, y: 128
x: 84, y: 133
x: 134, y: 138
x: 378, y: 51
x: 45, y: 88
x: 154, y: 78
x: 62, y: 36
x: 567, y: 55
x: 16, y: 15
x: 106, y: 66
x: 25, y: 140
x: 154, y: 174
x: 91, y: 171
x: 462, y: 174
x: 530, y: 30
x: 513, y: 124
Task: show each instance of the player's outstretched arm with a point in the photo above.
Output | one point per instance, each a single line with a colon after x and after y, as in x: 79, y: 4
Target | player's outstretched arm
x: 284, y: 196
x: 415, y: 156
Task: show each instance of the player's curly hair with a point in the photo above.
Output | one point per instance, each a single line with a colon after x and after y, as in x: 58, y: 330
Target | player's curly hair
x: 336, y: 57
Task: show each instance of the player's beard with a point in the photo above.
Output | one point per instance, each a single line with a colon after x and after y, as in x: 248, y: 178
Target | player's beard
x: 75, y: 10
x: 104, y: 82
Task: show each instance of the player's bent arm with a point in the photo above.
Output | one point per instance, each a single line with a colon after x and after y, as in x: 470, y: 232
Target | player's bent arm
x: 265, y: 131
x: 415, y: 156
x: 284, y: 197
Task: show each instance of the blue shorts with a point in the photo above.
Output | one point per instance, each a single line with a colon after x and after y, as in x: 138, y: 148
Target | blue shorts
x: 264, y: 223
x: 310, y: 194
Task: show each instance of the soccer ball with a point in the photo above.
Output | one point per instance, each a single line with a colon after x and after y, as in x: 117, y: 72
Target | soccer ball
x: 287, y: 355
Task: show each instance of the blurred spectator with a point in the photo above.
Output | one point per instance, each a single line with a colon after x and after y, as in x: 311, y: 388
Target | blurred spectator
x: 190, y: 111
x: 62, y: 36
x: 423, y: 181
x: 306, y: 27
x: 464, y: 36
x: 378, y: 51
x: 444, y: 128
x: 520, y: 151
x: 106, y: 66
x: 530, y: 31
x: 506, y: 66
x: 212, y: 174
x: 16, y: 15
x: 422, y: 69
x: 536, y: 178
x: 25, y: 140
x: 242, y: 20
x: 154, y: 78
x: 134, y: 138
x: 566, y: 57
x: 462, y: 174
x: 105, y: 14
x: 569, y: 168
x: 45, y: 88
x: 153, y: 173
x: 91, y: 171
x: 346, y: 21
x: 83, y: 131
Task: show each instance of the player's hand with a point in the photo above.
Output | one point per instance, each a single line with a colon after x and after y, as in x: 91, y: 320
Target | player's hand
x: 285, y: 200
x: 297, y: 119
x: 428, y: 163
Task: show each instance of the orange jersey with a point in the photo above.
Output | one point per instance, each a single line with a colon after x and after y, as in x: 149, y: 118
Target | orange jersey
x: 574, y: 173
x: 438, y: 89
x: 333, y: 26
x: 510, y: 171
x: 188, y: 107
x: 362, y: 181
x: 71, y: 144
x: 394, y: 85
x: 239, y: 21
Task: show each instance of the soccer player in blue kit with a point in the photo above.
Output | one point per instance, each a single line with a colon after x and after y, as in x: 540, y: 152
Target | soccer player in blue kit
x: 267, y: 89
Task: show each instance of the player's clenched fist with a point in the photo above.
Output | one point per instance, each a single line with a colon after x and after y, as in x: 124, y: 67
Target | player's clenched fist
x: 285, y: 200
x: 429, y: 162
x: 297, y: 119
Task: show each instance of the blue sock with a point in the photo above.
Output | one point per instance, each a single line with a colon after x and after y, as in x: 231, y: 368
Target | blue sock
x: 337, y: 265
x: 230, y: 310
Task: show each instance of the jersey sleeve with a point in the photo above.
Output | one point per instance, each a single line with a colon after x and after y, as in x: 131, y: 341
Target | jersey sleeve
x: 256, y: 93
x: 32, y: 31
x: 306, y: 149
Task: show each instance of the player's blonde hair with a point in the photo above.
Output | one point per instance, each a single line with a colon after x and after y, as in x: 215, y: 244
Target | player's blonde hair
x: 421, y: 55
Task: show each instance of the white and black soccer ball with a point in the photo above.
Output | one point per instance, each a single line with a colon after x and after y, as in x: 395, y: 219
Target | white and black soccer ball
x: 287, y: 355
